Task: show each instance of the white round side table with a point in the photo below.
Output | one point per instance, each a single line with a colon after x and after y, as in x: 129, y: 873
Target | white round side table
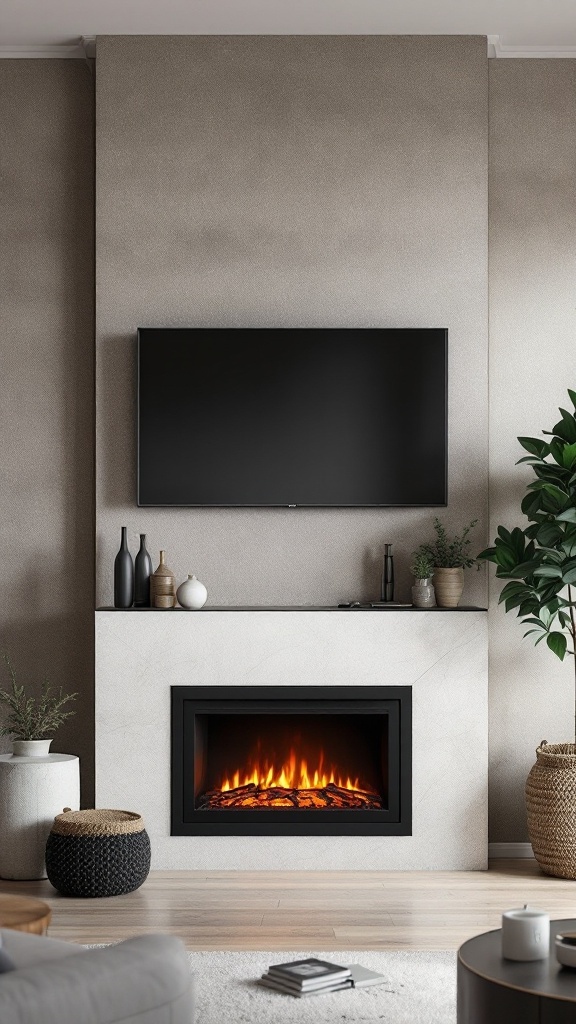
x: 33, y: 790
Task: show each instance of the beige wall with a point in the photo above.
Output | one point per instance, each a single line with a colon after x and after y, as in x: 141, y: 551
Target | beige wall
x: 185, y: 236
x: 46, y: 359
x: 278, y: 181
x: 532, y: 362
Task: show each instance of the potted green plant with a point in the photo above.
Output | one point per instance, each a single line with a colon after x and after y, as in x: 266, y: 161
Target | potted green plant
x: 32, y: 720
x: 422, y: 568
x: 449, y: 558
x: 539, y: 565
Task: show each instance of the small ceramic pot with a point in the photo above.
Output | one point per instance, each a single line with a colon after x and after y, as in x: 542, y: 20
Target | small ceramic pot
x: 192, y: 594
x: 423, y: 595
x: 31, y: 748
x: 163, y: 585
x: 448, y: 584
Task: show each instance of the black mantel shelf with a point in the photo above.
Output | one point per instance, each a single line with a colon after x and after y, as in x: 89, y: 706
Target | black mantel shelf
x: 293, y: 608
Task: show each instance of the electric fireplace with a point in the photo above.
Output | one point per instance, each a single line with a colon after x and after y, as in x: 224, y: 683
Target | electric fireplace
x: 278, y: 760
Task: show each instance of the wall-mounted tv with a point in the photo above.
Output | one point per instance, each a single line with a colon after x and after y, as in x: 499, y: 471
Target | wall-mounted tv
x: 292, y: 417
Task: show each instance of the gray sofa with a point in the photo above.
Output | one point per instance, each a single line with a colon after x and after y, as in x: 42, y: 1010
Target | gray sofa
x: 146, y: 980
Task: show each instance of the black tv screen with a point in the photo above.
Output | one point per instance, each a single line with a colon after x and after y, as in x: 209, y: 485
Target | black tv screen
x: 292, y: 417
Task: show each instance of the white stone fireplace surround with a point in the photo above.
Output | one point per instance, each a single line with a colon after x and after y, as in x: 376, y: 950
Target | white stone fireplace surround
x: 441, y: 654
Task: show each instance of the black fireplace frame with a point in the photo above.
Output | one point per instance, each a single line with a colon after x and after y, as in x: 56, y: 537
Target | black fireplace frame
x: 394, y: 701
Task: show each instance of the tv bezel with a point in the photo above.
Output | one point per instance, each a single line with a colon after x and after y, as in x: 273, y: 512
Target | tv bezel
x: 442, y: 504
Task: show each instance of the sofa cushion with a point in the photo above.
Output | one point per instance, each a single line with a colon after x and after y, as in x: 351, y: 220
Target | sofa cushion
x: 145, y: 980
x: 6, y: 964
x: 27, y: 950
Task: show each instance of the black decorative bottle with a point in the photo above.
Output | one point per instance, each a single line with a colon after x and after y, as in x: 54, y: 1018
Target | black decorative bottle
x: 142, y: 573
x: 123, y: 575
x: 388, y: 574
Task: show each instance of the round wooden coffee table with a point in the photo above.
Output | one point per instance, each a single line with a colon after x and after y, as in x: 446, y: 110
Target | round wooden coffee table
x: 24, y: 915
x: 492, y: 990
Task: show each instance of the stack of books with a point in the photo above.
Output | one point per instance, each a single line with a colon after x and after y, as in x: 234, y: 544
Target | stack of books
x: 307, y: 977
x: 313, y: 977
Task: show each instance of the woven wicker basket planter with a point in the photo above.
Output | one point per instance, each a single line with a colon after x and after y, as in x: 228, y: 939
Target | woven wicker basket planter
x: 551, y: 807
x: 97, y: 853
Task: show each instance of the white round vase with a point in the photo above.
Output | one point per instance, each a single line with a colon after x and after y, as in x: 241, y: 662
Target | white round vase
x: 33, y: 790
x: 192, y: 594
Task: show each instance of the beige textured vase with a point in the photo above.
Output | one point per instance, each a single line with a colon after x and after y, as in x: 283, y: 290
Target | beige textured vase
x: 551, y: 808
x: 448, y: 585
x: 163, y: 586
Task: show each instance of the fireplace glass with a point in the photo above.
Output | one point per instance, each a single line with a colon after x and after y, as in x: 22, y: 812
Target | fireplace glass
x: 291, y: 760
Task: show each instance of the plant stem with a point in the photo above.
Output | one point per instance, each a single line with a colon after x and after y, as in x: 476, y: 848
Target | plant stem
x: 574, y: 646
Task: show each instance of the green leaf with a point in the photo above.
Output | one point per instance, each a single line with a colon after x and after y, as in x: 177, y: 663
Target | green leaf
x: 557, y: 642
x: 530, y: 504
x: 513, y: 588
x: 557, y: 451
x: 551, y: 556
x: 569, y: 576
x: 553, y: 571
x: 559, y: 497
x: 525, y: 568
x: 549, y: 534
x: 504, y: 557
x: 569, y: 455
x: 566, y: 427
x: 528, y: 606
x: 535, y: 445
x: 567, y: 516
x: 572, y: 395
x: 568, y: 545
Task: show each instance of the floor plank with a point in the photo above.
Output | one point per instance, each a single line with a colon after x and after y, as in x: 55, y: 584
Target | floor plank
x: 309, y: 910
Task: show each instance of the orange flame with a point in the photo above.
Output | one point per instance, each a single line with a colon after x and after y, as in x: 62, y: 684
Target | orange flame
x: 293, y: 774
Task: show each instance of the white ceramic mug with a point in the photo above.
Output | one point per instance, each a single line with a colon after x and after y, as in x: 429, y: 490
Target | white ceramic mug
x: 525, y: 934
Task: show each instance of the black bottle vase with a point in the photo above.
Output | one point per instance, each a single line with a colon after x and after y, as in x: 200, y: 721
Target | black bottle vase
x: 123, y: 575
x: 388, y: 574
x: 142, y: 573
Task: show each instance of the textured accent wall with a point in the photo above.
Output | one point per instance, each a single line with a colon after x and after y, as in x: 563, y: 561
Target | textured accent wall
x: 47, y: 407
x: 532, y: 348
x: 289, y: 181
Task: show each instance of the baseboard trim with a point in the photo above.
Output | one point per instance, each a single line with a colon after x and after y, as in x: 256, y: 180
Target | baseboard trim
x: 501, y: 851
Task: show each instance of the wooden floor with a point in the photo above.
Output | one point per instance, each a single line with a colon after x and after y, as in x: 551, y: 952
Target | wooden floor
x: 306, y: 911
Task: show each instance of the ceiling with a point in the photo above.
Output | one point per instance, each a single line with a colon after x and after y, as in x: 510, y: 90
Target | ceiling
x: 522, y: 24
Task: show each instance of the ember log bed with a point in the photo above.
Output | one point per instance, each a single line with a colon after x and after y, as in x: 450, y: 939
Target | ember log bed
x: 253, y: 796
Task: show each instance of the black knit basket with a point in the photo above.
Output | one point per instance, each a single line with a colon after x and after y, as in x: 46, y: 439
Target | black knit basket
x: 97, y: 853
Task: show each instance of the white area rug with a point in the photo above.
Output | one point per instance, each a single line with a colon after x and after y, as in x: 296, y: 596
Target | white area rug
x: 420, y: 989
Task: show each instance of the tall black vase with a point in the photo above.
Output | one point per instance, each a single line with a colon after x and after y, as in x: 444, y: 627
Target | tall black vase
x: 388, y: 574
x: 123, y: 575
x: 142, y: 573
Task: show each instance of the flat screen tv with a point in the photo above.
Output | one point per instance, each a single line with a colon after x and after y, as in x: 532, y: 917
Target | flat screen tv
x: 292, y: 417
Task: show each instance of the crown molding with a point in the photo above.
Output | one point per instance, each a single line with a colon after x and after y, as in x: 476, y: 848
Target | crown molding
x: 496, y: 49
x: 84, y: 48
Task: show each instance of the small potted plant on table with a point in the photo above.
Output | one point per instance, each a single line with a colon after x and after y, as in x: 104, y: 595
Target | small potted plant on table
x: 449, y: 558
x: 32, y: 721
x: 422, y: 568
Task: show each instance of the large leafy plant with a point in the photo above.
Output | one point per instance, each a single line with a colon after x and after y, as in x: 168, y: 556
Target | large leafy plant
x: 539, y: 561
